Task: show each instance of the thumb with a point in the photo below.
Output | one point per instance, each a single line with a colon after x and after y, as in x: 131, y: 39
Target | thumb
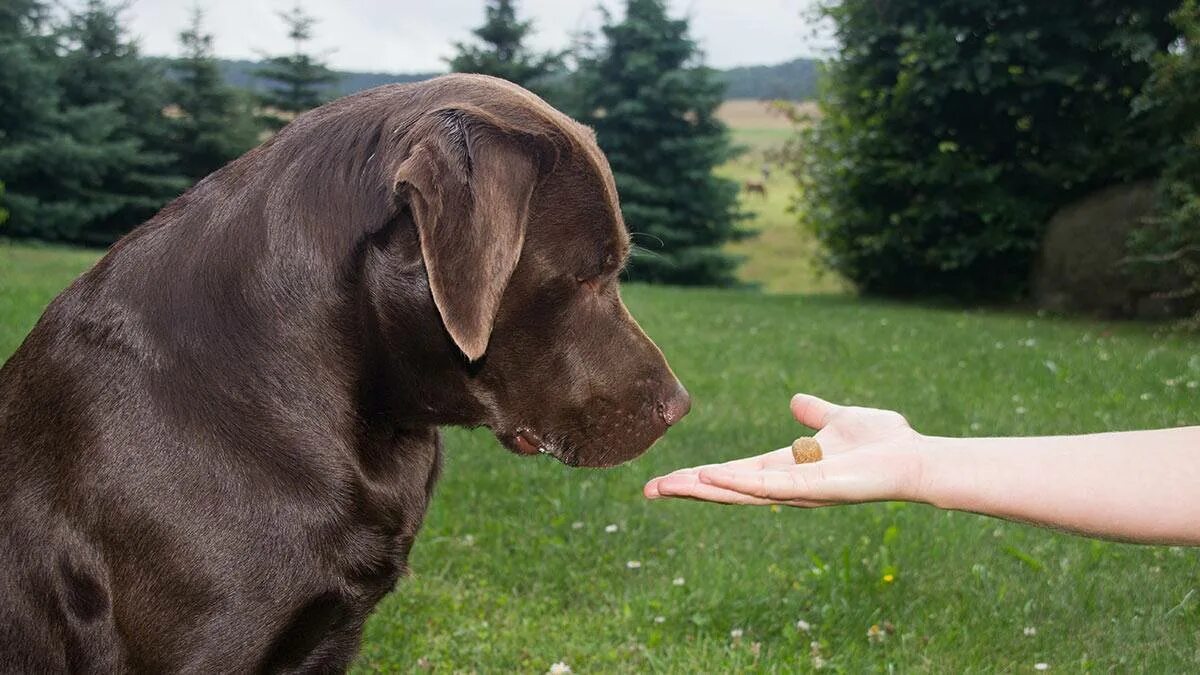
x: 811, y: 411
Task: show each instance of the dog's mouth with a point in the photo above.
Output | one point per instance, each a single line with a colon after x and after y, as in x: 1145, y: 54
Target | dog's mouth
x: 526, y: 441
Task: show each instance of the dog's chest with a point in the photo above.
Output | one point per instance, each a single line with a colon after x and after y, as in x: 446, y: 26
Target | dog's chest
x: 366, y: 552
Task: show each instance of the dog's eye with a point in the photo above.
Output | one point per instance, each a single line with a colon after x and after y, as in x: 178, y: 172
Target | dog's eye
x: 591, y: 283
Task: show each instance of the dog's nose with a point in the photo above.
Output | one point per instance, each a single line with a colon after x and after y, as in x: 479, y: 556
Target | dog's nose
x: 675, y: 405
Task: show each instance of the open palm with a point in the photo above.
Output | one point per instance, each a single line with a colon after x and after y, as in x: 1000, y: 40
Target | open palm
x: 869, y: 456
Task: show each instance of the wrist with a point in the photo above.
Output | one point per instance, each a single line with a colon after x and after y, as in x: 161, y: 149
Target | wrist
x: 930, y: 454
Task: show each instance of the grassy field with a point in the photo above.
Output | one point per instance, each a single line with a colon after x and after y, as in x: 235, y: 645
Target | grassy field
x: 780, y: 257
x: 517, y: 568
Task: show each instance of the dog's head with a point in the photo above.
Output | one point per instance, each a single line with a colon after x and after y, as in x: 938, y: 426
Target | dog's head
x: 522, y: 242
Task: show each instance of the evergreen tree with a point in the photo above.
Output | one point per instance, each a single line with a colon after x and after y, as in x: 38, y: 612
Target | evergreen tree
x: 653, y: 108
x: 300, y: 81
x: 116, y: 99
x: 53, y: 156
x: 215, y: 123
x: 501, y: 51
x: 28, y: 106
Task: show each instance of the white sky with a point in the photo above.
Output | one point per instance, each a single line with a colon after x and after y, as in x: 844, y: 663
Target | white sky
x: 411, y: 36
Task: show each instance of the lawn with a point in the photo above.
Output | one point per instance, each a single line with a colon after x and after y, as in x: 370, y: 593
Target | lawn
x: 517, y: 568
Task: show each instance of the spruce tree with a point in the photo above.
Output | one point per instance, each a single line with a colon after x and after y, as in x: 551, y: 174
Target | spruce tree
x: 653, y: 107
x: 117, y: 99
x: 298, y: 81
x: 55, y: 153
x: 500, y: 50
x: 214, y: 123
x: 29, y: 119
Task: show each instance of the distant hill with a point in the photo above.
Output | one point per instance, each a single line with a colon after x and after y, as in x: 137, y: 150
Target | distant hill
x: 795, y: 80
x: 240, y: 73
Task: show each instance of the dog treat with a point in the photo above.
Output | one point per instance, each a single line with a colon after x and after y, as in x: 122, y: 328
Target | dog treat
x: 806, y: 450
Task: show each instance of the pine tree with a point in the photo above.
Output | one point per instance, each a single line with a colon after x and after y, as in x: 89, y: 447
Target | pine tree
x: 653, y: 108
x: 116, y: 99
x: 301, y: 80
x: 214, y: 123
x: 501, y: 52
x: 28, y: 109
x: 54, y: 154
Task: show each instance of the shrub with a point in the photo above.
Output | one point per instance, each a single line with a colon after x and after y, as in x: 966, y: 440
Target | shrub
x: 952, y: 129
x: 1169, y: 244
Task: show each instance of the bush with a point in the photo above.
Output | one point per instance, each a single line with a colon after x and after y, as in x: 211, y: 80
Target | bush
x: 1169, y: 244
x: 952, y: 130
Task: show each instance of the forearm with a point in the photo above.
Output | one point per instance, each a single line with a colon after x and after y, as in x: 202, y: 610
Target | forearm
x: 1139, y: 486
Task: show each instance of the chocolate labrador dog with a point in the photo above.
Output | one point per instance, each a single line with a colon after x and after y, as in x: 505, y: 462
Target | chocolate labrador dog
x: 219, y: 443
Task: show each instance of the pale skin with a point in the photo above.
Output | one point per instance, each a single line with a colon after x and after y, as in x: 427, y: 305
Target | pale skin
x: 1137, y: 486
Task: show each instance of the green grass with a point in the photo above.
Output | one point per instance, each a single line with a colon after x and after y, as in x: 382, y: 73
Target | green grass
x: 779, y: 257
x: 504, y: 581
x: 30, y: 275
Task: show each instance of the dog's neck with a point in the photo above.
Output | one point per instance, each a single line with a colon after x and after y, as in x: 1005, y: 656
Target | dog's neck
x: 338, y: 344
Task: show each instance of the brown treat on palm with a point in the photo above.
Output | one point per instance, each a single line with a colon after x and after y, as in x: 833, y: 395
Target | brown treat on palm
x: 806, y: 450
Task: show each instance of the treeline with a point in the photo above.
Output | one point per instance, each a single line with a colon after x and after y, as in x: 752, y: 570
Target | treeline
x: 795, y: 80
x: 95, y: 137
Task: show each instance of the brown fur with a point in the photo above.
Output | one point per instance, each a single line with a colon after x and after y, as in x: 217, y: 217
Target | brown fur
x: 219, y: 443
x: 753, y: 186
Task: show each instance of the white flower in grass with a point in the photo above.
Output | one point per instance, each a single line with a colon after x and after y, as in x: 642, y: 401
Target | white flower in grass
x: 1145, y: 397
x: 633, y: 564
x: 803, y: 626
x: 818, y: 663
x: 559, y: 668
x: 1021, y: 410
x: 660, y: 619
x: 1041, y: 666
x: 736, y: 633
x: 678, y: 581
x: 610, y: 528
x: 577, y: 525
x: 1030, y: 631
x: 1193, y: 384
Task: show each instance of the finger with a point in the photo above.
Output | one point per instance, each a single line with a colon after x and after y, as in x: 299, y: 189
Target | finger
x: 781, y: 457
x: 801, y: 482
x: 811, y: 411
x: 689, y: 487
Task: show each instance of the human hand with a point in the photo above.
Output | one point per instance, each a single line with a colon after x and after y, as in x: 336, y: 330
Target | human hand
x: 869, y: 455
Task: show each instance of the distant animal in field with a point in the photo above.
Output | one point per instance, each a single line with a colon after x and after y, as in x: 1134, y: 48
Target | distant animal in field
x: 753, y: 186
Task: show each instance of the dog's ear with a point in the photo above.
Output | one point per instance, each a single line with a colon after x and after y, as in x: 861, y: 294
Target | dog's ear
x: 467, y: 181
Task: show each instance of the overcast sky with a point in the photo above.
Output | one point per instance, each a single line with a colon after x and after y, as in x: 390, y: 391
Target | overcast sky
x: 413, y: 35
